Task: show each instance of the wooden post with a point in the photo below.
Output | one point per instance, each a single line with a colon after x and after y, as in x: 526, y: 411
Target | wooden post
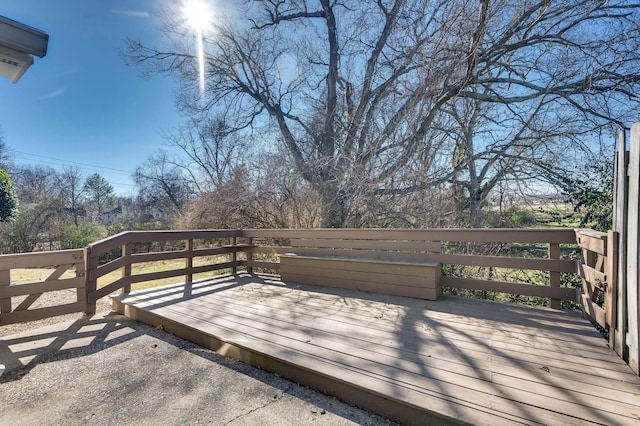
x: 126, y: 269
x: 620, y: 190
x: 554, y: 276
x: 610, y: 297
x: 81, y: 293
x: 633, y: 253
x: 589, y: 258
x: 91, y: 283
x: 188, y: 261
x: 250, y: 257
x: 234, y: 255
x: 5, y: 302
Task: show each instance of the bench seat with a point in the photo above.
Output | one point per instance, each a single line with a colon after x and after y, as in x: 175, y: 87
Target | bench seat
x: 417, y: 279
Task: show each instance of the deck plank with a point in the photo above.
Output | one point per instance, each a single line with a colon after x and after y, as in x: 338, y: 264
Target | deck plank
x: 468, y: 376
x: 465, y: 361
x: 444, y: 357
x: 500, y: 330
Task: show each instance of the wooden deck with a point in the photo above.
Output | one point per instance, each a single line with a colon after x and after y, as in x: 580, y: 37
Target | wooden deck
x: 414, y: 361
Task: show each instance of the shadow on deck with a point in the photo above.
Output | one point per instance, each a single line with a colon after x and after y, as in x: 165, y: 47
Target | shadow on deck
x: 414, y: 361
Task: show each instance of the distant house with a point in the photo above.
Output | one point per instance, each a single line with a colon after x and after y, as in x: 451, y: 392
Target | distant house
x: 152, y: 214
x: 543, y: 199
x: 80, y: 211
x: 107, y: 218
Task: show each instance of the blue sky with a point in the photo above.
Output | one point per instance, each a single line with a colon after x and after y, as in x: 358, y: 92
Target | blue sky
x: 80, y: 104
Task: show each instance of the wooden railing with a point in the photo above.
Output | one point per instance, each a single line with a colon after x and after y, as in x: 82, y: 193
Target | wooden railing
x: 220, y: 249
x: 118, y: 253
x: 462, y: 252
x: 465, y: 254
x: 548, y: 240
x: 17, y: 297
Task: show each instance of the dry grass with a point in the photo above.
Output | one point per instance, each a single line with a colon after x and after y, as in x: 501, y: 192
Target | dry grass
x: 40, y: 274
x: 35, y: 274
x: 164, y: 265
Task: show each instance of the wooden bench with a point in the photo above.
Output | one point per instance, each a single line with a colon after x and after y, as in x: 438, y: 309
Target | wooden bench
x: 400, y: 268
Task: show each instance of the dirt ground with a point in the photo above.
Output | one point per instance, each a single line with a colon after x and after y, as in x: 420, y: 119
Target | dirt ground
x: 52, y: 298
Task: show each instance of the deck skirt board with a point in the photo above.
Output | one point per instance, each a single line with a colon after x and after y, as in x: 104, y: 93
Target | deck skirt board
x: 408, y: 359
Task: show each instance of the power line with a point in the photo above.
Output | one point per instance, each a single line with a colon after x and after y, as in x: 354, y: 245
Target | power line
x: 89, y: 167
x: 130, y: 185
x: 62, y: 162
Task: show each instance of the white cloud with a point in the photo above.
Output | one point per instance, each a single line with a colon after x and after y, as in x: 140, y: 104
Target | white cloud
x: 138, y: 13
x: 53, y: 94
x: 69, y: 71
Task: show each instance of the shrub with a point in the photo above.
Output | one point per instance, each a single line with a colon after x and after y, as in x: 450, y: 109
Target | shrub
x: 8, y: 198
x: 85, y: 233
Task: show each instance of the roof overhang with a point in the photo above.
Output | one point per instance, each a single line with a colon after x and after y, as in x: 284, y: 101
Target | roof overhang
x: 19, y: 43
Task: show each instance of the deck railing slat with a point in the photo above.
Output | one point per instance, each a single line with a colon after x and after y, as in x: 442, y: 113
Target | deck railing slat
x: 563, y: 293
x: 494, y: 235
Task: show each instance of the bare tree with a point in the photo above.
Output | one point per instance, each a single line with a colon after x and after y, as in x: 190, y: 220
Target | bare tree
x: 210, y: 151
x: 364, y: 95
x: 483, y: 155
x: 161, y: 183
x: 36, y: 183
x: 262, y: 195
x: 74, y: 189
x: 40, y: 210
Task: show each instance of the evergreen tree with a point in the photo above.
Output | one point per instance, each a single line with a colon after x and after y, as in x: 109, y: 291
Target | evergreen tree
x: 8, y: 198
x: 100, y: 195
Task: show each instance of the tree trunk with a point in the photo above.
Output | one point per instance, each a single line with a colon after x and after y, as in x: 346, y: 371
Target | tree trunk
x: 475, y: 209
x: 333, y: 213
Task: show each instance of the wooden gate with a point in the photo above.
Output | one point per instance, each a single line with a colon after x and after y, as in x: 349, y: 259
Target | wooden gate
x: 598, y: 272
x: 18, y: 299
x: 625, y: 223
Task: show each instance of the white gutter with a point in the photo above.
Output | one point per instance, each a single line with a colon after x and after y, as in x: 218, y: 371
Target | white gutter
x: 19, y: 43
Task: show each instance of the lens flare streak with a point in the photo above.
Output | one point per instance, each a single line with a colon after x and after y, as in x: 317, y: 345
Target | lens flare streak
x: 198, y: 17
